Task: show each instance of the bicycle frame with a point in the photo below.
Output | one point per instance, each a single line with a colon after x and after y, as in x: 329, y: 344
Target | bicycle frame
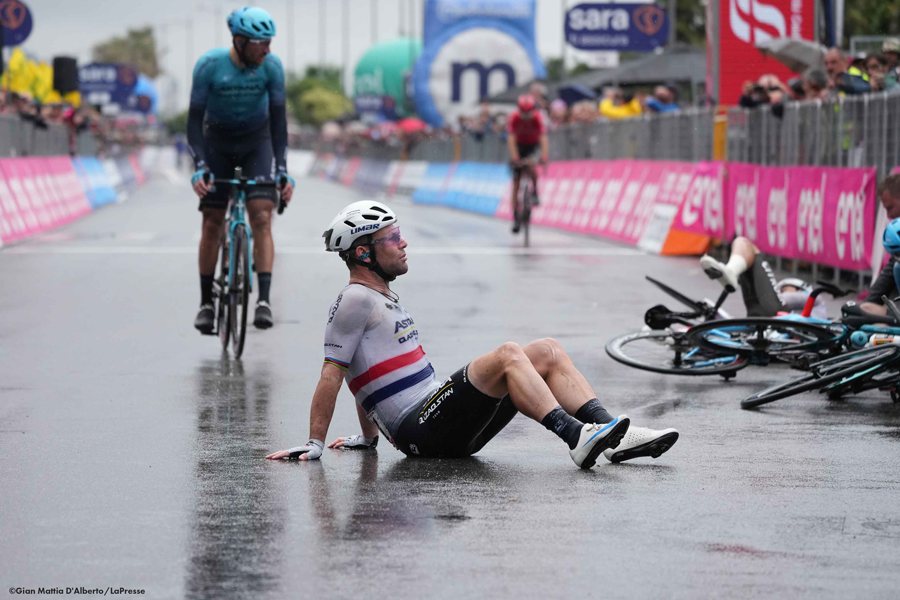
x: 237, y: 210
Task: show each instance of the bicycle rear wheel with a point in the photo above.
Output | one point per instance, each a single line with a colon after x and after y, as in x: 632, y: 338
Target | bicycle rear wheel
x: 661, y: 351
x: 526, y: 215
x: 847, y: 368
x: 223, y: 318
x: 240, y: 290
x: 765, y: 338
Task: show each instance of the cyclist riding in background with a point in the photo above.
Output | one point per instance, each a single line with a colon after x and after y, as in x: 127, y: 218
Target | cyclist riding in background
x: 240, y: 94
x: 526, y: 130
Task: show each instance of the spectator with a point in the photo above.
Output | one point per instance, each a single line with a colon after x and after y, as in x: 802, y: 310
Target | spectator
x: 797, y: 89
x: 858, y: 66
x: 662, y: 101
x: 615, y: 105
x: 753, y: 95
x: 891, y: 50
x: 539, y: 91
x: 877, y: 68
x: 815, y: 84
x: 559, y: 114
x: 840, y: 82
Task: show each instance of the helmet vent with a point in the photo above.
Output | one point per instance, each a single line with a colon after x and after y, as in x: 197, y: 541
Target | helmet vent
x: 349, y: 224
x: 253, y: 25
x: 266, y: 25
x: 370, y: 217
x: 387, y: 219
x: 378, y: 209
x: 337, y: 242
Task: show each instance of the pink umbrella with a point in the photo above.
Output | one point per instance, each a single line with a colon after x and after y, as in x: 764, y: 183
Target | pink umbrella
x: 411, y: 125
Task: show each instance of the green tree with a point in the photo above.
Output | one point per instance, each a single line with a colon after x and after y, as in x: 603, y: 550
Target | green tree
x: 690, y: 22
x: 318, y: 96
x: 138, y: 48
x: 871, y: 17
x: 177, y: 123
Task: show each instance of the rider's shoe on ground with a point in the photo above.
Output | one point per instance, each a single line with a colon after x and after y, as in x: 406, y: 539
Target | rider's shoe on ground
x: 641, y: 441
x: 517, y: 223
x: 595, y: 438
x: 716, y: 270
x: 263, y: 317
x: 206, y: 319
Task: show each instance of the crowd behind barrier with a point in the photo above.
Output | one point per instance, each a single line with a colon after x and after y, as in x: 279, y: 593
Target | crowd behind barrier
x: 40, y: 193
x: 821, y: 216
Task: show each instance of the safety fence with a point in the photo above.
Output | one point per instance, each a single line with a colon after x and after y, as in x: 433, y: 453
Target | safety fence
x: 23, y: 137
x: 812, y: 216
x: 859, y: 131
x: 42, y: 193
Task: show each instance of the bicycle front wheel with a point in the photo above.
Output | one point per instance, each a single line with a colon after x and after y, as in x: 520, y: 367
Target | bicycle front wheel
x: 669, y: 353
x: 240, y: 290
x: 223, y: 310
x: 853, y: 367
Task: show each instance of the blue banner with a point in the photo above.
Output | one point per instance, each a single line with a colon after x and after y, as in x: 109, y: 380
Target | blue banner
x: 94, y: 181
x: 621, y: 27
x: 16, y: 21
x: 107, y: 83
x: 473, y: 49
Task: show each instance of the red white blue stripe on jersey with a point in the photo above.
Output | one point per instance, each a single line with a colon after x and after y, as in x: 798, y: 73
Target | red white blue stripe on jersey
x: 386, y: 368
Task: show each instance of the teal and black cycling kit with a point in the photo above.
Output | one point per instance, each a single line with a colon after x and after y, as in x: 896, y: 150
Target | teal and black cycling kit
x: 237, y: 118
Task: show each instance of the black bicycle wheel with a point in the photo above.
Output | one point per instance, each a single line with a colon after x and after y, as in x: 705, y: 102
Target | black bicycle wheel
x: 765, y: 337
x: 862, y: 363
x: 223, y: 319
x: 664, y: 352
x: 240, y: 290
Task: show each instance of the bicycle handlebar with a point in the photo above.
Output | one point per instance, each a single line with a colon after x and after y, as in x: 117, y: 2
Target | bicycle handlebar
x: 245, y: 182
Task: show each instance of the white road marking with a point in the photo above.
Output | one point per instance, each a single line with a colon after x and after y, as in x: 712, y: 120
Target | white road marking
x: 289, y: 250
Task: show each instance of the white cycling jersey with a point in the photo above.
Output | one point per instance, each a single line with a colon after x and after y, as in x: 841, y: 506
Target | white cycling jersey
x: 376, y: 342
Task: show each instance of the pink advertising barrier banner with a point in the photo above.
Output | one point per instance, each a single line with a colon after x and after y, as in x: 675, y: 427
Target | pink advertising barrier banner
x: 613, y: 199
x: 37, y: 194
x: 824, y: 215
x: 704, y: 207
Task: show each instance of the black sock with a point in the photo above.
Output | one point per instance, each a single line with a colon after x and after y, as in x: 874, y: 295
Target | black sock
x: 593, y: 412
x: 206, y: 282
x: 265, y: 281
x: 568, y: 428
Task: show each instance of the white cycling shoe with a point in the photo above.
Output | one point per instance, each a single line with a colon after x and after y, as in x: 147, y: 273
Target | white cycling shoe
x: 595, y: 438
x: 641, y: 441
x: 720, y: 272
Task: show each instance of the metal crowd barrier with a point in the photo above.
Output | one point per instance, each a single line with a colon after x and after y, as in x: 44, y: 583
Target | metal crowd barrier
x: 20, y: 137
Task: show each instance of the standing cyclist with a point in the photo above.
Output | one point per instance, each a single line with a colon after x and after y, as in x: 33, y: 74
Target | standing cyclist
x: 526, y: 130
x: 240, y: 92
x: 373, y: 343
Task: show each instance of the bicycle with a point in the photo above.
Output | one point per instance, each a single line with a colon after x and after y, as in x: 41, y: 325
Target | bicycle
x: 677, y: 344
x: 874, y: 367
x: 529, y: 193
x: 232, y: 288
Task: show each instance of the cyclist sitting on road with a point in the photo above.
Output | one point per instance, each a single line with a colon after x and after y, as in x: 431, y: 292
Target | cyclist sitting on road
x: 526, y: 130
x: 884, y: 284
x: 763, y: 295
x: 372, y: 340
x: 240, y: 92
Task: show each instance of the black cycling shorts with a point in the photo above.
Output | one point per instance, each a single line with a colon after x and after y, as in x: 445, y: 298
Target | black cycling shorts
x: 254, y: 154
x: 456, y: 421
x: 525, y: 151
x: 758, y: 288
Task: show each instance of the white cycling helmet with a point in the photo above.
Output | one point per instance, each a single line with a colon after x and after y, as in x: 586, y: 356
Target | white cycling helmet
x: 355, y: 221
x: 794, y: 282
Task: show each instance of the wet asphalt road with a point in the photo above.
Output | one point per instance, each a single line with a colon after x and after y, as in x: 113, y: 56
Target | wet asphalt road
x: 131, y: 450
